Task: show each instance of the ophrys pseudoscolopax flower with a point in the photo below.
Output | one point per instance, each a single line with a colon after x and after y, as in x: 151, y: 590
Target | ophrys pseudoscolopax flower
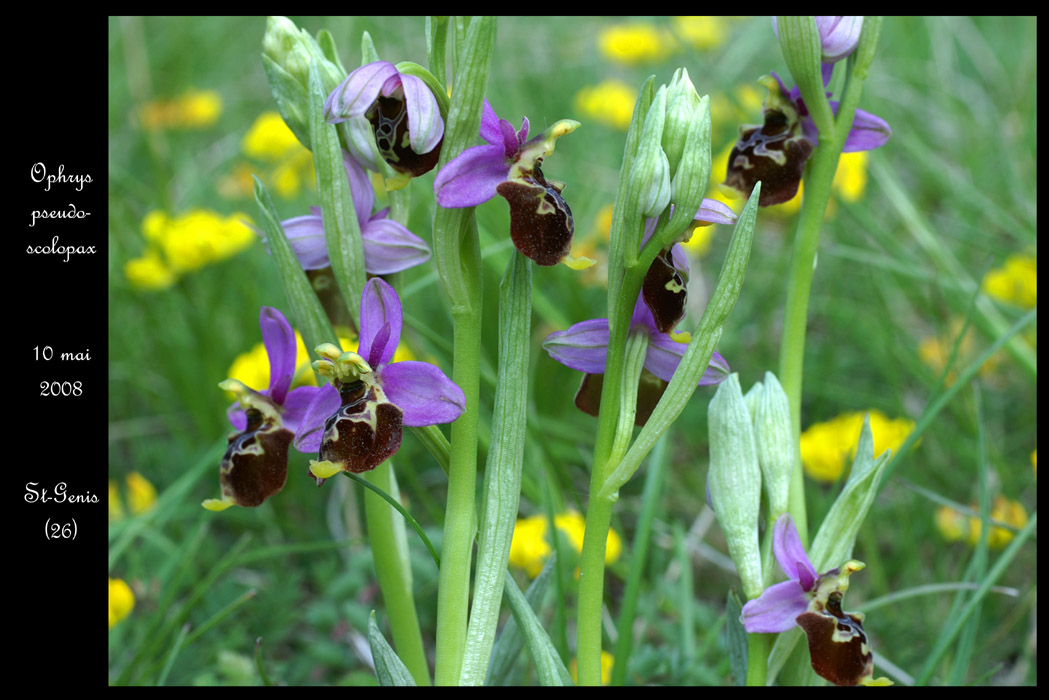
x: 541, y: 223
x: 355, y: 422
x: 255, y: 465
x: 837, y: 643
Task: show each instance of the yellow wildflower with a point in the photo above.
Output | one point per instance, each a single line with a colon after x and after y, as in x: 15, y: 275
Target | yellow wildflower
x: 702, y: 33
x: 934, y: 350
x: 607, y: 661
x: 609, y: 102
x: 850, y: 179
x: 194, y: 109
x: 1034, y: 462
x: 955, y: 526
x: 269, y: 138
x: 198, y: 238
x: 149, y: 272
x: 826, y: 447
x: 141, y: 495
x: 116, y: 508
x: 1015, y: 283
x: 745, y: 105
x: 635, y: 42
x: 529, y: 548
x: 121, y: 601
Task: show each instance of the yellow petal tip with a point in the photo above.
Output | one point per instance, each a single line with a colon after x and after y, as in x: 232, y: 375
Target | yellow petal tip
x: 324, y: 470
x: 580, y: 263
x: 217, y: 504
x: 398, y: 182
x: 683, y: 337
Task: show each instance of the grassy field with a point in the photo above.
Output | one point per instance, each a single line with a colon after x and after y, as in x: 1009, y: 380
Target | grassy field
x: 911, y: 235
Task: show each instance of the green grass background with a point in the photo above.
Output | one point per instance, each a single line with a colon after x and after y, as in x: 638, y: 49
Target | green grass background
x: 960, y: 94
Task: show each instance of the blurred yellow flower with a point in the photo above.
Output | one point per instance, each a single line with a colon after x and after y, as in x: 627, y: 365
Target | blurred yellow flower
x: 194, y: 109
x: 609, y: 102
x: 702, y: 33
x: 116, y: 508
x: 827, y: 446
x: 934, y: 351
x: 1016, y: 282
x: 121, y: 601
x: 743, y: 106
x: 955, y: 526
x: 288, y: 164
x: 607, y: 661
x: 269, y: 138
x: 850, y: 179
x: 1034, y: 462
x: 149, y: 272
x: 636, y: 42
x: 184, y: 243
x: 141, y: 495
x: 529, y: 548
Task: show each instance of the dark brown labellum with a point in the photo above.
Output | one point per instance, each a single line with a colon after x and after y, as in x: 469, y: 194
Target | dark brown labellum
x: 665, y: 292
x: 364, y: 432
x: 837, y: 644
x: 389, y: 120
x: 255, y: 465
x: 541, y: 224
x: 768, y: 153
x: 649, y: 391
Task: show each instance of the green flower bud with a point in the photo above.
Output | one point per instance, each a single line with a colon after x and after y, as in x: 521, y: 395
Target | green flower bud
x: 682, y: 107
x: 650, y: 184
x: 775, y: 442
x: 735, y: 480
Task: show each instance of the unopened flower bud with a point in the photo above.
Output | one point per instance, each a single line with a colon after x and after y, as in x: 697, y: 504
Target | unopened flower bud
x: 775, y: 442
x: 735, y: 480
x: 839, y: 35
x: 682, y: 107
x: 650, y: 184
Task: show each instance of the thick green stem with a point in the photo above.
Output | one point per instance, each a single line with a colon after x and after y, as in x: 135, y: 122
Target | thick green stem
x: 389, y: 551
x: 453, y: 590
x: 757, y: 658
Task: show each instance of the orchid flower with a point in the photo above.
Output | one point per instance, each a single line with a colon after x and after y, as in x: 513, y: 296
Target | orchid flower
x: 541, y: 224
x: 837, y: 643
x: 388, y: 246
x: 355, y: 422
x: 404, y: 115
x: 839, y: 35
x: 255, y: 465
x: 776, y: 152
x: 584, y: 347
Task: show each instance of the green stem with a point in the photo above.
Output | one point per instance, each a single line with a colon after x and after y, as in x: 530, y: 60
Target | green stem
x: 390, y: 553
x: 818, y: 178
x: 453, y: 590
x: 757, y: 658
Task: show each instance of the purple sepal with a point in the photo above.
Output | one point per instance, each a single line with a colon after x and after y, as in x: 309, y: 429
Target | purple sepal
x: 305, y: 235
x: 296, y: 403
x: 582, y: 347
x: 389, y: 247
x: 355, y: 95
x: 426, y: 128
x: 471, y: 178
x: 380, y: 323
x: 791, y: 554
x: 425, y: 394
x: 776, y: 609
x: 311, y: 429
x: 279, y: 340
x: 869, y: 131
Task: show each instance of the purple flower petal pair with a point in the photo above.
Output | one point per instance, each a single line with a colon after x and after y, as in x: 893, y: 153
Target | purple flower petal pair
x: 405, y: 118
x: 355, y: 422
x: 837, y: 643
x: 255, y: 465
x: 541, y: 223
x: 388, y: 246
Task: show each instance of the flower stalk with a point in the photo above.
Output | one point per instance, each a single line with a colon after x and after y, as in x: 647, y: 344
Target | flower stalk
x: 818, y: 178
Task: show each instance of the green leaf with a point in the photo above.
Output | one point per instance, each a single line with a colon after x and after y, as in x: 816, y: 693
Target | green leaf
x: 306, y: 310
x: 291, y: 99
x: 511, y: 641
x: 502, y: 475
x: 735, y: 638
x: 389, y: 669
x: 548, y: 664
x: 342, y: 231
